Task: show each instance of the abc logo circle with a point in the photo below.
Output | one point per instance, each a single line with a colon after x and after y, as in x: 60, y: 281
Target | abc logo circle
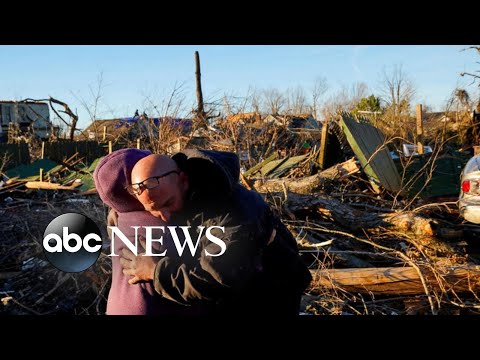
x: 72, y: 242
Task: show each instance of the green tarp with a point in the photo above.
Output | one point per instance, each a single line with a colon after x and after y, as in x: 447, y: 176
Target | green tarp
x: 444, y: 180
x: 31, y: 171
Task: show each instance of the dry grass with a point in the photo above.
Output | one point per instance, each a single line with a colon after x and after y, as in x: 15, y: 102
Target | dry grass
x: 31, y: 285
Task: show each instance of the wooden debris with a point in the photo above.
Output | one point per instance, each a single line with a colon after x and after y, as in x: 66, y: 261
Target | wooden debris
x: 309, y: 184
x: 246, y: 182
x: 259, y: 166
x: 369, y: 146
x: 354, y: 219
x: 398, y: 280
x: 50, y: 186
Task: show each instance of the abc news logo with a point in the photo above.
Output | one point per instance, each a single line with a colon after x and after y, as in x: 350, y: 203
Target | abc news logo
x: 72, y: 242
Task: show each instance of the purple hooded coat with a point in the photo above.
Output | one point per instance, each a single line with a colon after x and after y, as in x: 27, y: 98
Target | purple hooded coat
x: 111, y: 175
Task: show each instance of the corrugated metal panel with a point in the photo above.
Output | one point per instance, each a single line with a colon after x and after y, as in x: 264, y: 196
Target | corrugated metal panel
x: 366, y: 141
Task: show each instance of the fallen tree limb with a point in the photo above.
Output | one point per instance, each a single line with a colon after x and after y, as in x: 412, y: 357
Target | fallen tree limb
x: 309, y: 184
x: 355, y: 220
x: 50, y: 186
x: 397, y: 281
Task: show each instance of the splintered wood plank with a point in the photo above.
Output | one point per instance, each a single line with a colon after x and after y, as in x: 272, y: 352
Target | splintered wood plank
x: 50, y: 186
x: 398, y: 280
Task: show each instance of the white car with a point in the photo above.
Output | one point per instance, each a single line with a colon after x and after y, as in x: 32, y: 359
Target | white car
x: 469, y: 200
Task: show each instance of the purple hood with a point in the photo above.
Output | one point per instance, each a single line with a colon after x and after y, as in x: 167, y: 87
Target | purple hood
x: 111, y: 176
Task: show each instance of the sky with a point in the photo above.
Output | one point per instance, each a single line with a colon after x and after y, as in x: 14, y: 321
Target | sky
x: 136, y: 76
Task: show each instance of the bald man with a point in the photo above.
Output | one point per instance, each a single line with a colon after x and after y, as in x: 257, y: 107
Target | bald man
x: 201, y: 188
x: 165, y: 184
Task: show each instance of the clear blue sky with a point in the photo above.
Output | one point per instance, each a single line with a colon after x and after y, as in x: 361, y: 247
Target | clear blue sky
x: 132, y: 73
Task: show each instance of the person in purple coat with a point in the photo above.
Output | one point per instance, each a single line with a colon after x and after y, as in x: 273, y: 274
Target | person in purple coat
x: 110, y: 177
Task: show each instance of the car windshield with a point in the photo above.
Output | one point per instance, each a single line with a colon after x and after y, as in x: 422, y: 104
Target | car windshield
x: 472, y: 165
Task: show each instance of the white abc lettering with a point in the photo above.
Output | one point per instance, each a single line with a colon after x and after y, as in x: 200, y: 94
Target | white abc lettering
x: 58, y: 245
x: 65, y: 242
x: 89, y: 248
x: 67, y: 237
x: 216, y: 240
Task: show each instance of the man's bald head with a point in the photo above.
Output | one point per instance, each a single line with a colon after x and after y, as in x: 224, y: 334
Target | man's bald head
x: 152, y: 165
x: 167, y: 185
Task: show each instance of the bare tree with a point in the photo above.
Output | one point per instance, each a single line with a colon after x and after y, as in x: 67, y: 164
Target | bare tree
x: 171, y: 103
x: 255, y: 101
x: 358, y: 91
x: 274, y: 100
x: 397, y: 92
x: 474, y: 76
x: 69, y: 112
x: 73, y: 117
x: 320, y: 87
x: 93, y: 102
x: 296, y: 100
x: 345, y: 99
x: 160, y: 135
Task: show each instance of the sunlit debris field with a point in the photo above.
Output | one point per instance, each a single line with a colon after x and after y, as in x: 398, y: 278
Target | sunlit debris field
x: 374, y: 210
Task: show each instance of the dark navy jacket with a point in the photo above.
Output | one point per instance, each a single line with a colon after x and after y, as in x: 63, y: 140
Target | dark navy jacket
x: 250, y: 278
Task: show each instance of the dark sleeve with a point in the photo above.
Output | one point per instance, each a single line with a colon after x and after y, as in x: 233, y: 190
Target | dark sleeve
x: 207, y: 278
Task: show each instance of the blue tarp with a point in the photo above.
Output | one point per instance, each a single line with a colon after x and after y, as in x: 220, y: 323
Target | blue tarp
x: 186, y: 124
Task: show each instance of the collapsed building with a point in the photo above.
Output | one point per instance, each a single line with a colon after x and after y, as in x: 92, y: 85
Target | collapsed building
x: 24, y: 119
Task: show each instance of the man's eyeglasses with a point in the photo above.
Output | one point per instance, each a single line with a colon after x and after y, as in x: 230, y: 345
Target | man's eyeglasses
x: 150, y: 183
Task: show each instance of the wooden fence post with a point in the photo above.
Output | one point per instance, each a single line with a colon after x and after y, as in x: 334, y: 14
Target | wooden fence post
x: 419, y: 129
x: 323, y: 145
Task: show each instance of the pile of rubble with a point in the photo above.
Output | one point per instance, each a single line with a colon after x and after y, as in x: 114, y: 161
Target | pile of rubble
x: 375, y: 239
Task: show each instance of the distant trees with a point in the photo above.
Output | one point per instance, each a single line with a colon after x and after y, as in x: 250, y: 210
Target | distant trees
x: 296, y: 101
x: 475, y: 77
x: 274, y: 101
x: 320, y: 87
x: 397, y: 92
x: 345, y: 99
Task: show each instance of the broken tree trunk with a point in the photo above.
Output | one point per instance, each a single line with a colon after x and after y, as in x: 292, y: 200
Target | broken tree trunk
x: 398, y: 281
x: 312, y: 183
x: 201, y: 115
x: 69, y: 112
x: 354, y: 219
